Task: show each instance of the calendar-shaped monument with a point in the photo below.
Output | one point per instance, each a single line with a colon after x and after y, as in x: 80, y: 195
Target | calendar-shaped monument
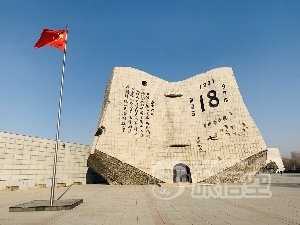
x: 196, y: 130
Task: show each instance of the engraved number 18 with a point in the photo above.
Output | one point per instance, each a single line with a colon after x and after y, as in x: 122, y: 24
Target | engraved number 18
x: 213, y: 100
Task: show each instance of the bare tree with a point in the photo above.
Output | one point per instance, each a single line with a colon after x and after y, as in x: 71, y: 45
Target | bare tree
x: 287, y: 162
x: 293, y: 162
x: 295, y: 156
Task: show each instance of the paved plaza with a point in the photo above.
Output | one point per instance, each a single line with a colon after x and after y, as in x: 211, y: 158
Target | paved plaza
x: 121, y: 204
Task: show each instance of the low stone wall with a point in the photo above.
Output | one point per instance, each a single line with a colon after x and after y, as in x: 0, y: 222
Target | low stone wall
x: 117, y: 172
x: 27, y: 161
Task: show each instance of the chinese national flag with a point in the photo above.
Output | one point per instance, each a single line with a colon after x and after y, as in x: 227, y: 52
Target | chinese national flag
x: 54, y: 38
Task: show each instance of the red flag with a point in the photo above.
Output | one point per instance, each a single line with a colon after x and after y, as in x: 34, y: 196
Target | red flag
x: 54, y: 38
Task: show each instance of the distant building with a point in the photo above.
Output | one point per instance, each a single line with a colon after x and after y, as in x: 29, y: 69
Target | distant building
x: 273, y: 155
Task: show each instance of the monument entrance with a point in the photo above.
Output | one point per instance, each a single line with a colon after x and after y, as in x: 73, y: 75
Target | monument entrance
x: 181, y: 173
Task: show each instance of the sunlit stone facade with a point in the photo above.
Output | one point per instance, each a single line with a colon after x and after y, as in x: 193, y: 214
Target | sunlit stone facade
x: 150, y: 127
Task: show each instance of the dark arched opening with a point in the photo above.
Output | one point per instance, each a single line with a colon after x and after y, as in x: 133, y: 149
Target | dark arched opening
x: 94, y: 178
x: 181, y: 173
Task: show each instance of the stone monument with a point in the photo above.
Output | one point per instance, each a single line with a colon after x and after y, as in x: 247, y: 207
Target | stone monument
x: 197, y: 130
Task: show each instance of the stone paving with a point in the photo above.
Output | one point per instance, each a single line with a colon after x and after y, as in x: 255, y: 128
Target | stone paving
x: 107, y: 204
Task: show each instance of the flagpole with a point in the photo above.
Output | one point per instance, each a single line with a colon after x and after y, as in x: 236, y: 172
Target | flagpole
x: 58, y: 120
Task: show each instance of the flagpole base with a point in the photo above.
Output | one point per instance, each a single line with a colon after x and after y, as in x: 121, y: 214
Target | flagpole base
x: 44, y: 205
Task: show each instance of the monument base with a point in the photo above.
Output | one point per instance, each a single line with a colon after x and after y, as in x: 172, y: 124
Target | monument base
x: 44, y: 205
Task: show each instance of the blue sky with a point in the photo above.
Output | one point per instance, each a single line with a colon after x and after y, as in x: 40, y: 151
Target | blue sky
x: 172, y: 39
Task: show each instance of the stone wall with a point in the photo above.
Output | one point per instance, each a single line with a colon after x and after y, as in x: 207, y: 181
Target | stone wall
x: 153, y: 125
x: 27, y: 161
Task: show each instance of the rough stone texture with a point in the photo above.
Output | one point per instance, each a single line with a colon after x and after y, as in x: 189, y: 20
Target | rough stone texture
x: 113, y: 170
x: 275, y: 156
x: 153, y: 125
x: 27, y: 161
x: 242, y: 172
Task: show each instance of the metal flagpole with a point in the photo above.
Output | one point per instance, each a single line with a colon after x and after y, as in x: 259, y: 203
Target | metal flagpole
x: 58, y: 119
